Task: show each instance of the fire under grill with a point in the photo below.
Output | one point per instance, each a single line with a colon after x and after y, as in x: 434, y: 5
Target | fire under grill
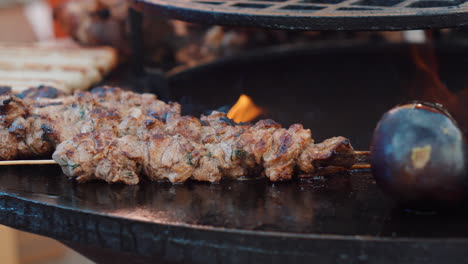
x: 315, y: 14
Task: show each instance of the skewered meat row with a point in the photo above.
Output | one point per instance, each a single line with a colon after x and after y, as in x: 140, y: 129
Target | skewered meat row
x: 35, y: 125
x: 119, y: 136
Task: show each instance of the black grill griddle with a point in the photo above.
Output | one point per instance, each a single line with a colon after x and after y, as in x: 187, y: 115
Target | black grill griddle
x: 344, y: 218
x: 315, y: 14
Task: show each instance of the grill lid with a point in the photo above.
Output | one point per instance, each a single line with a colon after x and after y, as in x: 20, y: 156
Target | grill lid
x: 315, y: 14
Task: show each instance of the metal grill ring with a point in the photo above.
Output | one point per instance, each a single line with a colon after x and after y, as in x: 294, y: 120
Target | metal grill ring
x: 315, y: 14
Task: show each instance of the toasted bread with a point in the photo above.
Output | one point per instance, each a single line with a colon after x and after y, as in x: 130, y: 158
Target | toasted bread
x: 65, y: 68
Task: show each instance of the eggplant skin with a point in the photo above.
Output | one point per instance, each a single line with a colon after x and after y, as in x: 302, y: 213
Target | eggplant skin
x: 417, y: 155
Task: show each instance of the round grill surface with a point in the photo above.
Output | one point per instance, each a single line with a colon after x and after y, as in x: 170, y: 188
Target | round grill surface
x: 315, y: 14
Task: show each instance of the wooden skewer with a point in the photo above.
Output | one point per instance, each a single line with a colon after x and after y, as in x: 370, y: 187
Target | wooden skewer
x: 47, y: 162
x: 360, y: 167
x: 26, y: 162
x: 362, y: 153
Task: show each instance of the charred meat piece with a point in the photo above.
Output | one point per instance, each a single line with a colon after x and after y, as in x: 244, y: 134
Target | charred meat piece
x: 12, y: 110
x: 100, y: 155
x: 40, y: 92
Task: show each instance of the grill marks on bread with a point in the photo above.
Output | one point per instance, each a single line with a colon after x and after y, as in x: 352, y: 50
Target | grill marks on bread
x: 67, y: 69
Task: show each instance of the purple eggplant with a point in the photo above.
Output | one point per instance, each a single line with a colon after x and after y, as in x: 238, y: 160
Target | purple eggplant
x: 417, y: 154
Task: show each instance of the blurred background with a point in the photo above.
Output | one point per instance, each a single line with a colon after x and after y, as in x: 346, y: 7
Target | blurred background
x: 31, y: 21
x: 18, y: 247
x: 26, y: 20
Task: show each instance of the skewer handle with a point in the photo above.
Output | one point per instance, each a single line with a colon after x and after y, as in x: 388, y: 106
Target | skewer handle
x: 361, y: 167
x: 362, y: 153
x: 26, y: 162
x: 362, y: 157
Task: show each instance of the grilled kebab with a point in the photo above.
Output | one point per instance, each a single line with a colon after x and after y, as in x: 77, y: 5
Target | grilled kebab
x: 121, y: 136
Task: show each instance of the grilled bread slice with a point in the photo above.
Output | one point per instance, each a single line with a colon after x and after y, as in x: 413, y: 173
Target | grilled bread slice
x: 65, y: 68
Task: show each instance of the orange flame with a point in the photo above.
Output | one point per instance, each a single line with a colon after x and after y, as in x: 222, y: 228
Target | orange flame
x: 429, y: 87
x: 244, y: 110
x: 432, y: 88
